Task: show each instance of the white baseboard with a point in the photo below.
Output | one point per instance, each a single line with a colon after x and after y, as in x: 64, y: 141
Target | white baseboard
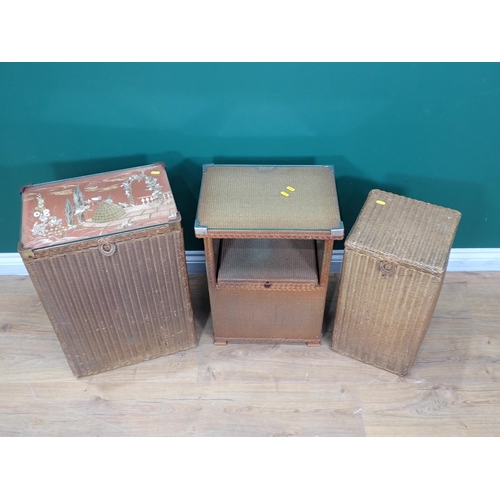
x: 11, y: 264
x: 461, y: 259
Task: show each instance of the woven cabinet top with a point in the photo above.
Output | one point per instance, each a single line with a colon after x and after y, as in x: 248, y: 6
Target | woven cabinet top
x: 268, y: 198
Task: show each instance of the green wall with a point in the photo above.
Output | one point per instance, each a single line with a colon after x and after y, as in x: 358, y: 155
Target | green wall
x: 428, y: 131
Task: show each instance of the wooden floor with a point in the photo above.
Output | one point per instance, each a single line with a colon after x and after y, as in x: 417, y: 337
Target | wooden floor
x: 453, y: 388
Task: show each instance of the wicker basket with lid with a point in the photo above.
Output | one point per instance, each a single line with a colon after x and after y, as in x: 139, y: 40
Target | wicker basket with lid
x: 394, y: 264
x: 106, y: 255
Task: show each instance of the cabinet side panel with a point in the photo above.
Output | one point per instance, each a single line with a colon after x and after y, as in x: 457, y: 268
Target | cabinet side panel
x: 382, y: 319
x: 111, y: 311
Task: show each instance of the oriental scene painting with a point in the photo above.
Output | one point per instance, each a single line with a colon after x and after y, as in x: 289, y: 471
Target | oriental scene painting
x: 96, y: 205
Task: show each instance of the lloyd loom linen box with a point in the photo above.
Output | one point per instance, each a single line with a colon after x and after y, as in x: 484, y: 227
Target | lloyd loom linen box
x: 106, y: 255
x: 394, y: 264
x: 268, y: 233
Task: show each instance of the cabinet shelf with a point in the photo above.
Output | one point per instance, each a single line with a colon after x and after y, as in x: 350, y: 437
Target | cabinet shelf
x: 262, y: 260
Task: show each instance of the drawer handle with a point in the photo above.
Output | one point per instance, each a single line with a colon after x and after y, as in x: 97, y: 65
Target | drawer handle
x: 107, y: 249
x: 267, y: 284
x: 387, y: 268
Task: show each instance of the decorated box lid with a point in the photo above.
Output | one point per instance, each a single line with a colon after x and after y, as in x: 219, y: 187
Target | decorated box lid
x: 96, y: 205
x: 405, y: 230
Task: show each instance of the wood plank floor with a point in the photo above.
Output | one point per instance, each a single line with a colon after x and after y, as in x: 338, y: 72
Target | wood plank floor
x: 453, y: 388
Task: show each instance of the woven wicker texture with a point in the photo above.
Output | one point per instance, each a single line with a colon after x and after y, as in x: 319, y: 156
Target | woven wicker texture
x: 406, y: 230
x: 394, y: 265
x: 106, y: 212
x: 267, y: 315
x: 268, y: 260
x: 382, y: 320
x: 250, y: 197
x: 116, y: 310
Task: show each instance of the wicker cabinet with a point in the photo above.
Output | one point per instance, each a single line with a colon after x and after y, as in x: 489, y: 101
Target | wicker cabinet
x: 268, y: 233
x: 106, y: 256
x: 394, y: 264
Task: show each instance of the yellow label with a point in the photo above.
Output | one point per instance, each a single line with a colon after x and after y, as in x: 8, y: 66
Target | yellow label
x: 380, y: 202
x: 155, y: 172
x: 290, y: 188
x: 284, y: 194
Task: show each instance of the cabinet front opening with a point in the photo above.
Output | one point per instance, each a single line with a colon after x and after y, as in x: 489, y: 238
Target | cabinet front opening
x: 273, y: 260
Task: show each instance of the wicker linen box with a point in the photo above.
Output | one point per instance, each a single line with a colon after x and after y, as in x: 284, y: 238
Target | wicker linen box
x: 268, y: 233
x: 106, y: 255
x: 394, y: 264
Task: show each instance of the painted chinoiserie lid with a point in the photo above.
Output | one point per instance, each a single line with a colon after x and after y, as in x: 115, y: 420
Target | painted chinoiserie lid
x: 97, y: 205
x: 268, y: 198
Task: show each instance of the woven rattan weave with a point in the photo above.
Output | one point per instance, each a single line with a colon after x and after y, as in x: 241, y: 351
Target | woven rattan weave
x: 394, y: 264
x: 250, y: 197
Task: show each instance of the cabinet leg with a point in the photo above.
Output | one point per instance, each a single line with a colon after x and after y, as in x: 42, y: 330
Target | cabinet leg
x: 314, y: 343
x: 220, y: 342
